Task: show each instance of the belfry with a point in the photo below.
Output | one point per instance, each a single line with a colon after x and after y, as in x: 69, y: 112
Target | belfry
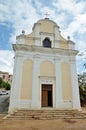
x: 44, y: 73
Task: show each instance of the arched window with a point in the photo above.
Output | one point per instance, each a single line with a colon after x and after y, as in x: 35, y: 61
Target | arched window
x: 47, y: 43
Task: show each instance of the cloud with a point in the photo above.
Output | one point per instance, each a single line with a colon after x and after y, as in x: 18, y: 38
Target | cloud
x: 82, y: 55
x: 6, y: 61
x: 77, y: 30
x: 71, y: 6
x: 74, y: 21
x: 25, y: 13
x: 21, y: 16
x: 70, y: 15
x: 77, y: 25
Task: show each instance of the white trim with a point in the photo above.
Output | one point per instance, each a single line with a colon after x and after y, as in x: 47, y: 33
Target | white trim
x: 35, y: 85
x: 51, y: 38
x: 24, y: 104
x: 71, y: 46
x: 65, y: 104
x: 47, y: 80
x: 57, y: 35
x: 75, y: 87
x: 37, y: 35
x: 16, y: 84
x: 59, y: 99
x: 43, y: 50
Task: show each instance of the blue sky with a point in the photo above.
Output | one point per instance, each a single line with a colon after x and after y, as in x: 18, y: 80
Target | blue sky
x: 16, y: 15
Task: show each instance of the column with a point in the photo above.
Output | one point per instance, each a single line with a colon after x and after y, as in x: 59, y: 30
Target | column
x: 59, y: 99
x: 35, y: 83
x: 16, y: 84
x: 75, y: 87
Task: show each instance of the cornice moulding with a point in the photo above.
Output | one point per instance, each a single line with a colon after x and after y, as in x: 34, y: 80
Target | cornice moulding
x: 33, y: 48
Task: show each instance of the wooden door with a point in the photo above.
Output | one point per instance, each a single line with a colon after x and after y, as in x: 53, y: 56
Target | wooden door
x: 44, y: 98
x: 46, y: 95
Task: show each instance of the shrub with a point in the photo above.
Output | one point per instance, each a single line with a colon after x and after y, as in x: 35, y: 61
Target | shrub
x: 7, y: 86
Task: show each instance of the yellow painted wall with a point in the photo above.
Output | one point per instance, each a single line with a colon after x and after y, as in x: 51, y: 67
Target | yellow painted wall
x: 66, y: 81
x: 26, y: 89
x: 47, y: 69
x: 47, y: 26
x: 64, y: 46
x: 31, y: 34
x: 30, y: 41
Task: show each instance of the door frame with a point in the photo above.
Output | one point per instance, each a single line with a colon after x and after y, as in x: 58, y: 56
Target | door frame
x: 49, y: 81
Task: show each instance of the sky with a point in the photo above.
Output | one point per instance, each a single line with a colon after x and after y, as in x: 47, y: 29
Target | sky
x: 18, y: 15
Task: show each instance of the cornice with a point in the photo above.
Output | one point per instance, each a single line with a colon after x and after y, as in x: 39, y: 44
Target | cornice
x: 21, y: 36
x: 33, y: 48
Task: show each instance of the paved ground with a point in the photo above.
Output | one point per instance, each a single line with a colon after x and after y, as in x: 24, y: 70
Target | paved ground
x: 43, y: 125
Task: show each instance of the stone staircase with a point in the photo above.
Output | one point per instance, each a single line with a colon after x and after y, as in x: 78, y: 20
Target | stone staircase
x: 46, y: 115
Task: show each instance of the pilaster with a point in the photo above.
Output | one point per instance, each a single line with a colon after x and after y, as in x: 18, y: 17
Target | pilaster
x: 16, y: 84
x: 35, y: 81
x: 75, y: 87
x: 37, y: 35
x: 59, y: 99
x: 57, y: 33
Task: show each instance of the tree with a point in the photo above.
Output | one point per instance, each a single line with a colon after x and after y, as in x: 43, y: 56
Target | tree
x: 82, y: 88
x: 1, y: 83
x: 5, y: 85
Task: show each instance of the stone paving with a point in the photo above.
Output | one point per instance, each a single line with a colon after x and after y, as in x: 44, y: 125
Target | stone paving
x: 60, y: 124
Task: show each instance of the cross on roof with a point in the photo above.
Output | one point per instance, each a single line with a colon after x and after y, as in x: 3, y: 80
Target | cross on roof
x: 46, y: 14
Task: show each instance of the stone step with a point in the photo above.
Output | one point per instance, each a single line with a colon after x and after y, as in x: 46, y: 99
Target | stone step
x: 47, y: 118
x: 43, y: 115
x: 49, y: 112
x: 46, y: 115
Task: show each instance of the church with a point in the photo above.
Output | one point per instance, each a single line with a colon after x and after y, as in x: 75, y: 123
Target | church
x: 45, y: 75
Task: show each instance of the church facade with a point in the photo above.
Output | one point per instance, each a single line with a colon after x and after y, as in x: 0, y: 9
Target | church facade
x: 45, y: 73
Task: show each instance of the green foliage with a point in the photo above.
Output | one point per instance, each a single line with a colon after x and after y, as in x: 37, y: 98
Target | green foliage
x: 1, y: 83
x: 5, y: 85
x: 82, y: 88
